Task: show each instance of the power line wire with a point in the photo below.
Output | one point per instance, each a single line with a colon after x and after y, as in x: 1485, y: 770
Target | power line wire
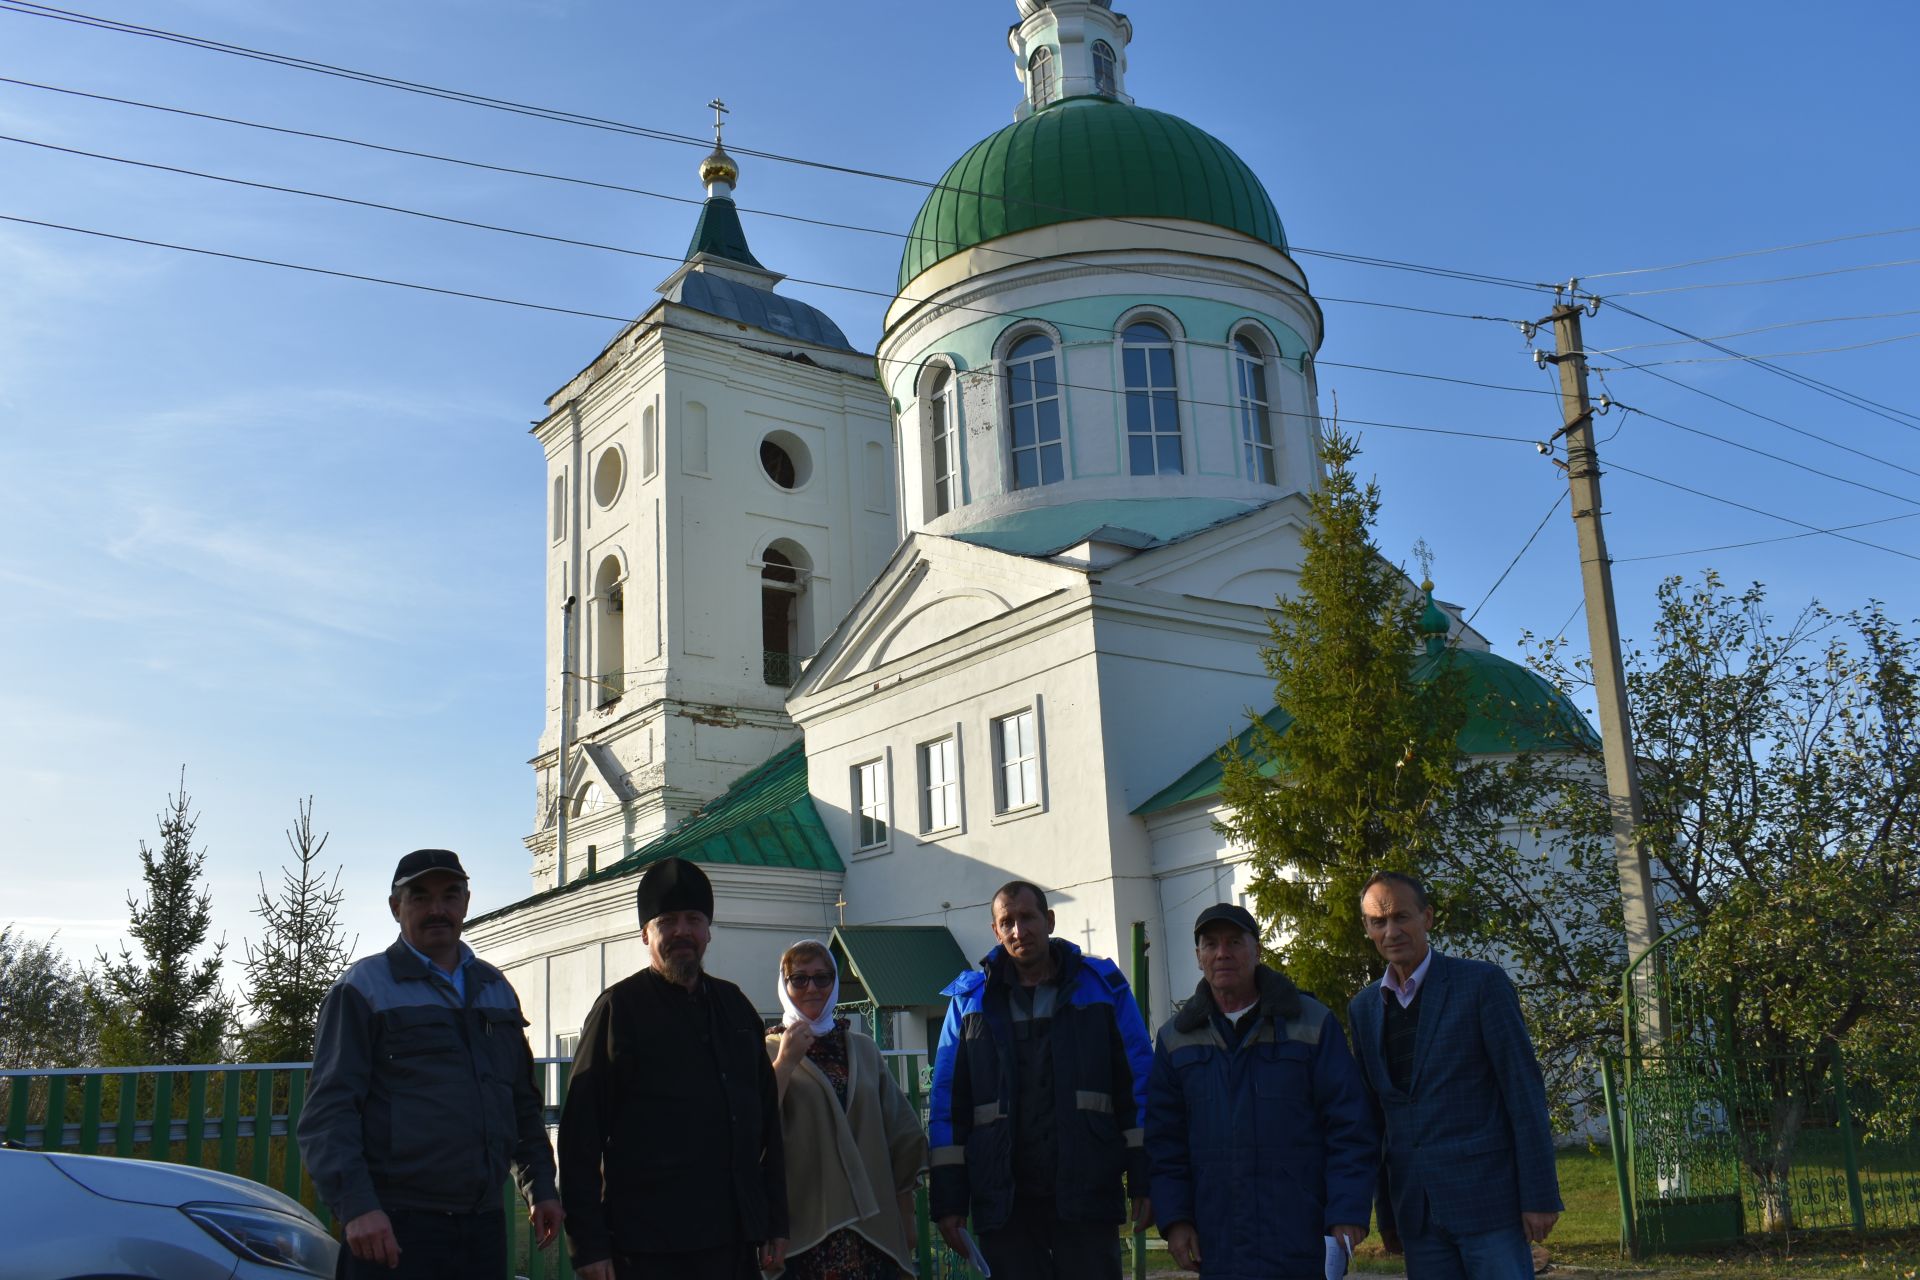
x: 1741, y: 284
x: 473, y: 224
x: 1748, y: 333
x: 1761, y: 542
x: 1901, y: 417
x: 1749, y: 253
x: 1877, y: 459
x: 1800, y: 466
x: 1771, y: 515
x: 1777, y: 355
x: 1524, y: 548
x: 28, y: 9
x: 626, y: 320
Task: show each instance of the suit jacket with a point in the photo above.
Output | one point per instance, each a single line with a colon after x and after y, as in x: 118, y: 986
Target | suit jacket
x: 1468, y: 1145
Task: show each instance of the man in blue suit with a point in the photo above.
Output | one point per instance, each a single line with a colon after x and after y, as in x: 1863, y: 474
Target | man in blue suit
x: 1468, y: 1183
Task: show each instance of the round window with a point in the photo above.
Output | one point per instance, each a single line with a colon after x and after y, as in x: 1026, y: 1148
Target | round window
x: 607, y: 474
x: 785, y: 459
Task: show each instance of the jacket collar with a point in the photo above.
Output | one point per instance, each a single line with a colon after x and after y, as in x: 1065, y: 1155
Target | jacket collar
x: 1279, y: 999
x: 998, y: 965
x: 408, y: 967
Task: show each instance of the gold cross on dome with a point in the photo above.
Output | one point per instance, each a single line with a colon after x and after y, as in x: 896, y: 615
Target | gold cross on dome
x: 720, y: 110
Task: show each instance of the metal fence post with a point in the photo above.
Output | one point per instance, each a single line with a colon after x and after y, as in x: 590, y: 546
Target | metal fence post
x: 1622, y: 1176
x: 1844, y: 1107
x: 922, y: 1206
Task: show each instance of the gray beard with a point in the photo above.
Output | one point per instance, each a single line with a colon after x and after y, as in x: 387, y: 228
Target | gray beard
x: 682, y: 968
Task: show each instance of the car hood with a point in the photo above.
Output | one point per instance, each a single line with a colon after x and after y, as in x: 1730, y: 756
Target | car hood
x: 146, y: 1182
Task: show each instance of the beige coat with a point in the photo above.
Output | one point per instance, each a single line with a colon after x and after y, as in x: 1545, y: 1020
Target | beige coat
x: 847, y: 1168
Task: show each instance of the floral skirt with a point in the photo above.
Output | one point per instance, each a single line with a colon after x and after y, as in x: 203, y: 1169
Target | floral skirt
x: 844, y: 1255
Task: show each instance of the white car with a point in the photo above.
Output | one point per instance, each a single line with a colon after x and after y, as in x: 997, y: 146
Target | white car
x: 64, y: 1217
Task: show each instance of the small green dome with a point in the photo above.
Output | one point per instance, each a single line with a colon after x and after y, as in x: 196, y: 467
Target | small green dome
x: 1088, y: 157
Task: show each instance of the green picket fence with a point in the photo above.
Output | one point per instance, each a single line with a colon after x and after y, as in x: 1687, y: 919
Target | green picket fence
x: 240, y: 1118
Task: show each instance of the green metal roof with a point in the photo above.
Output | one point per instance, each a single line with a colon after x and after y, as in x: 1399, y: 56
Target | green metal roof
x: 1134, y: 522
x: 719, y: 233
x: 1089, y: 157
x: 1509, y: 709
x: 900, y: 965
x: 766, y: 819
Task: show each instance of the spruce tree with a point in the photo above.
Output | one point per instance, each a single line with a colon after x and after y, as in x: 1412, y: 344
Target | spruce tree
x: 1363, y: 771
x: 165, y: 1005
x: 299, y: 956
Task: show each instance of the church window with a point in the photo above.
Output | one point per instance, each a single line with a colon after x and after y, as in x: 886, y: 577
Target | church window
x: 1256, y: 426
x: 1040, y: 77
x: 940, y: 784
x: 610, y: 634
x: 560, y: 506
x: 1153, y: 409
x: 1016, y: 753
x: 785, y: 459
x: 870, y: 804
x: 1033, y: 407
x: 783, y: 582
x: 607, y: 475
x: 565, y: 1045
x: 943, y: 427
x: 1103, y: 77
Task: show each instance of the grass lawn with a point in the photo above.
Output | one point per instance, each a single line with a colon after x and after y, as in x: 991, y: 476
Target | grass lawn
x: 1586, y: 1241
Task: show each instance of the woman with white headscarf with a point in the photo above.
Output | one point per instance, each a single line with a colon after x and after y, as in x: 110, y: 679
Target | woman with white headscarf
x: 855, y: 1148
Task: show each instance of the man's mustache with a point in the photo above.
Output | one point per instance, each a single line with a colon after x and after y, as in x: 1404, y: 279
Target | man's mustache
x: 680, y: 944
x: 430, y: 921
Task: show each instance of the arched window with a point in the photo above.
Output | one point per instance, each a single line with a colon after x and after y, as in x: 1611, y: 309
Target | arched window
x: 1103, y: 78
x: 943, y: 439
x: 610, y: 633
x: 1256, y: 426
x: 783, y: 582
x: 1040, y: 77
x: 1153, y: 410
x: 1033, y: 411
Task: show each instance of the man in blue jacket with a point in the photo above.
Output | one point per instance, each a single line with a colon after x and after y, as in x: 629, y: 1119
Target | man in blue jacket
x: 1259, y: 1131
x: 1468, y: 1183
x: 1038, y: 1087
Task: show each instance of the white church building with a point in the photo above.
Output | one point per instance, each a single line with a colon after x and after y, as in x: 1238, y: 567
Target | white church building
x: 868, y: 635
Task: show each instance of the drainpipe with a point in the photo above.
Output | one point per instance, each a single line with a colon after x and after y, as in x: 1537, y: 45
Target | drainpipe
x: 560, y: 769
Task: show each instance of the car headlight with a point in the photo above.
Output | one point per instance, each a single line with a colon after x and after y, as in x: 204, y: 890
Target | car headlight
x: 277, y: 1239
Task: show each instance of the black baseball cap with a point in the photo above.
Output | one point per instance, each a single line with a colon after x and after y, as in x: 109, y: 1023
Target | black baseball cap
x: 421, y: 861
x: 1237, y: 916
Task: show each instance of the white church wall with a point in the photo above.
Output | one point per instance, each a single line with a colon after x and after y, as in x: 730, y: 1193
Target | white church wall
x: 1061, y: 840
x: 560, y: 952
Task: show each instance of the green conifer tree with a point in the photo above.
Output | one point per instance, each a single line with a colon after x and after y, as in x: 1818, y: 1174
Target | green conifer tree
x: 165, y: 1005
x: 299, y: 956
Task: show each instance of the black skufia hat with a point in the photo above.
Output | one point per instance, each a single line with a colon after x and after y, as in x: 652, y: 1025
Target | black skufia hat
x: 674, y: 885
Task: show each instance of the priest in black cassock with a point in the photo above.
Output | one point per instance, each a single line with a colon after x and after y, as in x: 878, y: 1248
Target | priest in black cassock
x: 671, y: 1166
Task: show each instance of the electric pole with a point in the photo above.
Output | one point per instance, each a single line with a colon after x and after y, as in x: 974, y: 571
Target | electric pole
x: 1640, y: 913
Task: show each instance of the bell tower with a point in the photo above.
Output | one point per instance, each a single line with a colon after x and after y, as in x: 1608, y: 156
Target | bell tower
x: 720, y: 488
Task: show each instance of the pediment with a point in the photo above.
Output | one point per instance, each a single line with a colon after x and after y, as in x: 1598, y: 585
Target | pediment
x: 1252, y: 560
x: 933, y: 590
x: 595, y: 763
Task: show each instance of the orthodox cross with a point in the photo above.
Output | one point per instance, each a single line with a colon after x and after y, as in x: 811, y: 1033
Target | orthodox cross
x: 720, y: 109
x: 842, y: 904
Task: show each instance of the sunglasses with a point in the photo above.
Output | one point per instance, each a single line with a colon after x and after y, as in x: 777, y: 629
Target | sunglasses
x: 818, y: 981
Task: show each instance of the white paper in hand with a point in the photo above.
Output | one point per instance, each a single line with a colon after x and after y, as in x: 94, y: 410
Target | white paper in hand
x: 1338, y: 1256
x: 975, y: 1259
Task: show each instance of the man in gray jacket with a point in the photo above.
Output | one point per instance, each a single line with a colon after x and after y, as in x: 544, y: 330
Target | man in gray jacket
x: 423, y: 1095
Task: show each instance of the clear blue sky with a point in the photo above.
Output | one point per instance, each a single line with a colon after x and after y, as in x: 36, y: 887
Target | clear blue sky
x: 285, y: 529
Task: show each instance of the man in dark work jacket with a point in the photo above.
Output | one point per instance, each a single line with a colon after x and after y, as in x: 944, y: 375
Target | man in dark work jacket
x: 670, y: 1159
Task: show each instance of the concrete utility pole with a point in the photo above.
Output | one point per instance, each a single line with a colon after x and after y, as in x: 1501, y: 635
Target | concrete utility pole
x: 1640, y: 914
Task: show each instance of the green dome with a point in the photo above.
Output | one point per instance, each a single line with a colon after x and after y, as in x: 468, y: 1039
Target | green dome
x: 1088, y: 157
